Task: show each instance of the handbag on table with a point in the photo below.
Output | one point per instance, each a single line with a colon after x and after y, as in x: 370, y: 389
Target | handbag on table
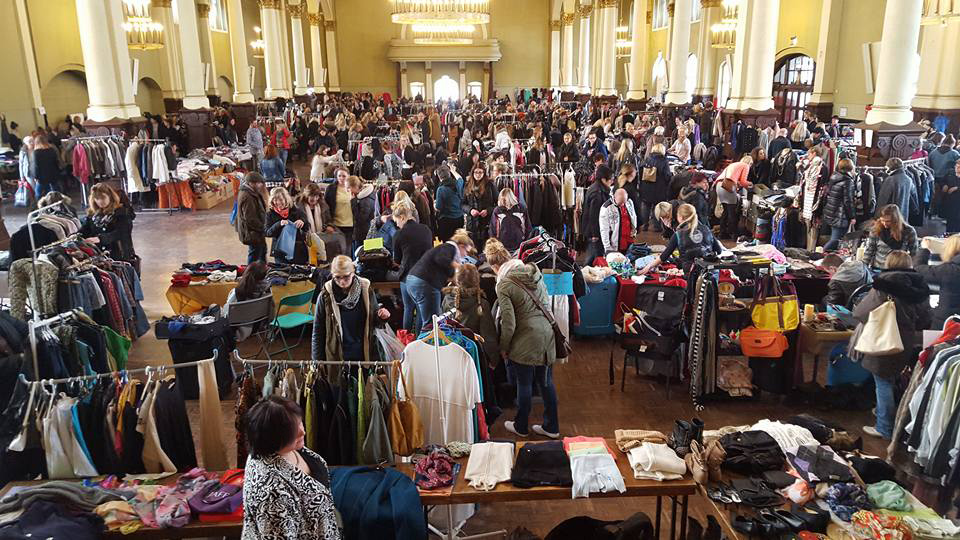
x: 761, y: 343
x: 775, y: 306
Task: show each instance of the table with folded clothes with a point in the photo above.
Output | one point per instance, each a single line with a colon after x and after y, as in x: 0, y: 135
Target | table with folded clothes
x: 571, y: 468
x: 803, y: 476
x: 197, y: 286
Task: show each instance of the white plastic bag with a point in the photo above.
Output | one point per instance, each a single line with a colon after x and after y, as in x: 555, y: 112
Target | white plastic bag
x: 391, y: 346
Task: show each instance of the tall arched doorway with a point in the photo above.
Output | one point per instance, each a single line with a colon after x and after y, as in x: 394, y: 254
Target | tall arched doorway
x: 65, y: 93
x: 659, y: 77
x: 224, y: 89
x: 792, y: 86
x: 149, y: 96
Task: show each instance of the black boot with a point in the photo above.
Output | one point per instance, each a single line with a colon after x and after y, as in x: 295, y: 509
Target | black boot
x: 696, y: 430
x: 694, y: 529
x: 680, y: 438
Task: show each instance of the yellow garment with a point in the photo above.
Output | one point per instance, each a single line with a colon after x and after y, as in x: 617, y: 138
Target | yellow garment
x: 309, y: 419
x: 118, y: 514
x: 343, y: 215
x: 211, y: 423
x: 154, y: 458
x: 196, y: 298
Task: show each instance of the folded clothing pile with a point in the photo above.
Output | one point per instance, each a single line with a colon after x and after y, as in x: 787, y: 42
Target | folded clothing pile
x: 542, y: 464
x: 655, y: 461
x: 751, y: 452
x: 632, y: 438
x: 489, y: 463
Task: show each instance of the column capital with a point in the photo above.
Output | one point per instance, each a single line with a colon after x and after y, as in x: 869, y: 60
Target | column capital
x: 568, y: 18
x: 602, y: 4
x: 203, y: 11
x: 315, y: 19
x: 585, y: 11
x: 295, y: 10
x: 671, y: 8
x: 330, y: 26
x: 163, y: 3
x: 556, y: 25
x: 649, y: 17
x: 269, y: 4
x: 707, y: 4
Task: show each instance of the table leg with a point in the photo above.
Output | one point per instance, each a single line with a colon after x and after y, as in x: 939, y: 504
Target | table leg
x: 611, y: 366
x: 656, y: 533
x: 816, y: 366
x: 683, y: 518
x: 673, y: 518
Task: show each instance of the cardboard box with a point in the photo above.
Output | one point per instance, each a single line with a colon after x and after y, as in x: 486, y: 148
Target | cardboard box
x: 211, y: 199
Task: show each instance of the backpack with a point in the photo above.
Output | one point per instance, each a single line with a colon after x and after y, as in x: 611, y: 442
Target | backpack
x: 711, y: 157
x: 511, y: 222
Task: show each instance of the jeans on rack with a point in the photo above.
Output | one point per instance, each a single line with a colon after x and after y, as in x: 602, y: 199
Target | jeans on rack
x: 524, y: 377
x: 886, y: 405
x: 426, y: 299
x: 257, y: 253
x: 836, y: 234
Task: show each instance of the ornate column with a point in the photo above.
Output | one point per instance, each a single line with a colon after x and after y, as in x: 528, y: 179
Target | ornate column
x: 607, y: 19
x: 754, y: 56
x: 170, y: 75
x: 194, y: 91
x: 566, y: 67
x: 285, y: 50
x: 583, y: 67
x: 238, y: 53
x: 638, y: 50
x: 938, y: 90
x: 555, y: 27
x: 825, y: 76
x: 897, y: 67
x: 680, y: 50
x: 272, y: 55
x: 106, y: 60
x: 206, y: 45
x: 300, y: 81
x: 707, y: 55
x: 404, y: 81
x: 428, y: 84
x: 463, y: 80
x: 316, y: 51
x: 333, y: 72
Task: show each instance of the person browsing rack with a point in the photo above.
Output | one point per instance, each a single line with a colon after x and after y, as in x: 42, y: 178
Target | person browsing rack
x: 692, y: 239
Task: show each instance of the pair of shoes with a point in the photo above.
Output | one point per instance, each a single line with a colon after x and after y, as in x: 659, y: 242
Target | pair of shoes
x: 509, y: 425
x: 538, y: 429
x: 683, y: 433
x: 814, y: 518
x: 872, y: 431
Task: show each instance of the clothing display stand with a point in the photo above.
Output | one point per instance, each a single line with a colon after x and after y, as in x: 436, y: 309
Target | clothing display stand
x: 168, y: 211
x: 149, y: 370
x: 36, y: 324
x: 83, y: 187
x: 35, y: 321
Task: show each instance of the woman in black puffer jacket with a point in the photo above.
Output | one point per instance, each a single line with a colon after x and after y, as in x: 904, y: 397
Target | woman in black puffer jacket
x: 838, y: 210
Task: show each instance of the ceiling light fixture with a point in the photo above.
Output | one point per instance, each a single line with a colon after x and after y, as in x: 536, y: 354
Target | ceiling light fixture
x: 441, y: 12
x: 142, y: 32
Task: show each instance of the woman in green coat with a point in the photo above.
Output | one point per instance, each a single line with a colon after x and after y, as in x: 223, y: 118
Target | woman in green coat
x: 526, y: 339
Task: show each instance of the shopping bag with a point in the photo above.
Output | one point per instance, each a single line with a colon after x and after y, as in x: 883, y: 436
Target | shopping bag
x: 23, y: 195
x: 775, y: 306
x: 233, y: 213
x: 404, y: 423
x: 880, y: 335
x: 649, y: 174
x: 391, y: 345
x: 287, y: 243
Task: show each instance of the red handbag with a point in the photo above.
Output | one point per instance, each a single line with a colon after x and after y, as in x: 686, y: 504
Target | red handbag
x: 759, y: 343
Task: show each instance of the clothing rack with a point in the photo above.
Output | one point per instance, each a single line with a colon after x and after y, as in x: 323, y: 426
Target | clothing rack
x: 302, y: 363
x: 35, y: 323
x: 139, y: 139
x: 148, y: 370
x: 31, y: 219
x: 72, y: 238
x: 906, y: 163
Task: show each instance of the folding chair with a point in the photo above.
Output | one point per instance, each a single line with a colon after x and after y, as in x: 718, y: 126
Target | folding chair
x: 255, y: 313
x: 293, y: 320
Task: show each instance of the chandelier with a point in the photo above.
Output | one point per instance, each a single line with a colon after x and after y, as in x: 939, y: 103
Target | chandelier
x: 723, y: 35
x: 441, y: 12
x: 258, y: 44
x: 142, y: 32
x: 624, y: 45
x: 940, y: 12
x: 443, y: 34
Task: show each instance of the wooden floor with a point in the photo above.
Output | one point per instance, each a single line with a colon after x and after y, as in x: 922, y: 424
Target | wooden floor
x: 588, y: 405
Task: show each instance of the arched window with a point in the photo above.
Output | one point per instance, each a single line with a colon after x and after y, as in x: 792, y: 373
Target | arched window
x: 659, y: 77
x: 724, y: 79
x: 793, y: 86
x: 218, y: 16
x: 417, y: 89
x: 691, y: 82
x: 475, y: 89
x: 446, y: 88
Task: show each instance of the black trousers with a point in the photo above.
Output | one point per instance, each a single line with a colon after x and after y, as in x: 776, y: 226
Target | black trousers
x: 447, y: 226
x: 730, y: 224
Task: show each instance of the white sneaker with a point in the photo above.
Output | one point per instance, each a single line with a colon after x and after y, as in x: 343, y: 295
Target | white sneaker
x: 509, y: 425
x: 872, y: 431
x: 538, y: 429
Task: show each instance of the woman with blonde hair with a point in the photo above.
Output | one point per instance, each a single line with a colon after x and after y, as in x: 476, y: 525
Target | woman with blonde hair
x: 281, y: 214
x: 889, y: 233
x: 681, y: 147
x: 430, y: 274
x: 109, y: 223
x: 509, y: 223
x: 692, y: 239
x: 945, y: 275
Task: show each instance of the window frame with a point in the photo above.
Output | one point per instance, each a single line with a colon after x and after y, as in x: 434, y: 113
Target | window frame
x: 793, y: 79
x: 414, y: 86
x: 696, y: 11
x: 218, y: 16
x: 475, y: 84
x: 661, y: 19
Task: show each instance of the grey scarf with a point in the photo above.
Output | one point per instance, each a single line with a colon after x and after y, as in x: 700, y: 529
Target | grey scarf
x: 353, y: 295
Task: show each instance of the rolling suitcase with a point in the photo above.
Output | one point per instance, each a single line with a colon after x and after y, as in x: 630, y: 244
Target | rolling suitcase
x: 596, y: 309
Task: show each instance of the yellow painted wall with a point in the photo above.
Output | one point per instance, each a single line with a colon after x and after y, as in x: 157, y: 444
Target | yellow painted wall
x: 523, y: 28
x: 851, y: 91
x: 15, y: 99
x: 220, y: 42
x: 65, y: 93
x: 149, y: 96
x: 802, y: 20
x: 364, y: 32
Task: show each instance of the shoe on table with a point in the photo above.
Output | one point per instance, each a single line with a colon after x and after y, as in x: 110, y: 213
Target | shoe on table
x: 872, y: 431
x: 538, y: 429
x: 509, y: 424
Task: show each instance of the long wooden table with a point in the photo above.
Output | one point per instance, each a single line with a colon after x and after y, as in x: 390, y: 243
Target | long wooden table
x: 197, y: 297
x: 677, y: 490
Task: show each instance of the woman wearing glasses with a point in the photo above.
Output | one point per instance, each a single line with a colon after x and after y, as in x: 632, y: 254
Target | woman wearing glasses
x: 347, y: 311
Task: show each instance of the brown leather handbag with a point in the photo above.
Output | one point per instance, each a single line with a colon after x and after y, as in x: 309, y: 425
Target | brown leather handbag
x: 404, y: 423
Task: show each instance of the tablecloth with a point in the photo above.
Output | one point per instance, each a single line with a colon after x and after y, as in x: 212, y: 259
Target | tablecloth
x: 196, y: 297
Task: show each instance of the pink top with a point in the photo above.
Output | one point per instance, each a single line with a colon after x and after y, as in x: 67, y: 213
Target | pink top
x: 738, y: 172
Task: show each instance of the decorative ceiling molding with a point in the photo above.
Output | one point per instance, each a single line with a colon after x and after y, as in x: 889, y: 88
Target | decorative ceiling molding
x: 401, y: 50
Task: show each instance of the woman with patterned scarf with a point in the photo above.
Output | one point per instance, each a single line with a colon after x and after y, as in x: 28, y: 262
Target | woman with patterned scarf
x: 109, y: 223
x: 347, y: 311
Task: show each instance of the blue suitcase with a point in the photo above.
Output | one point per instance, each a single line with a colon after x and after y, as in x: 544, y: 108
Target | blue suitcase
x: 596, y: 309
